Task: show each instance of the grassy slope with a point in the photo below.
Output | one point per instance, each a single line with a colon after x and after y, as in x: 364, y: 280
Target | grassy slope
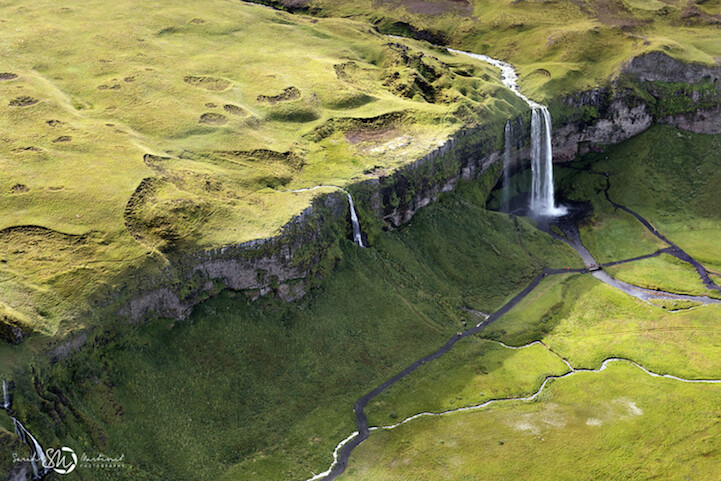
x: 675, y: 186
x: 673, y: 182
x: 665, y: 273
x: 270, y: 385
x: 473, y: 372
x: 94, y: 90
x: 587, y: 321
x: 584, y: 321
x: 558, y: 46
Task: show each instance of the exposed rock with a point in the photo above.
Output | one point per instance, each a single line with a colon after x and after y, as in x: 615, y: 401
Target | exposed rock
x: 68, y: 346
x: 268, y: 266
x: 704, y: 121
x: 622, y: 123
x: 657, y: 66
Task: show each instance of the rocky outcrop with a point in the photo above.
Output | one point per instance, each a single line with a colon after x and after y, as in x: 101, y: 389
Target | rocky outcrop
x: 659, y: 67
x: 702, y: 121
x: 651, y: 88
x: 469, y: 154
x: 13, y: 325
x: 620, y: 122
x: 274, y: 265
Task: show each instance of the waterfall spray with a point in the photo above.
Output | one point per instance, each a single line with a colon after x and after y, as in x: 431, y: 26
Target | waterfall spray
x: 506, y: 191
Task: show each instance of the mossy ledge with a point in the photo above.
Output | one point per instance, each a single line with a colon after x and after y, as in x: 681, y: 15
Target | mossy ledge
x: 286, y: 265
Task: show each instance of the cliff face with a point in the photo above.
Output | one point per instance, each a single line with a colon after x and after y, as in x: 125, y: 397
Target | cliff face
x: 659, y: 67
x: 651, y: 88
x: 282, y: 265
x: 467, y: 155
x: 274, y: 265
x: 583, y: 121
x: 619, y: 121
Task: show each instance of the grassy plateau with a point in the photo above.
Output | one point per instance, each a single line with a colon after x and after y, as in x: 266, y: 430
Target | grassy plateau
x: 134, y: 133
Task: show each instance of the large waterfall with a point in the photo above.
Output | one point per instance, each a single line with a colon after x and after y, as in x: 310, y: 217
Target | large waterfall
x: 542, y: 196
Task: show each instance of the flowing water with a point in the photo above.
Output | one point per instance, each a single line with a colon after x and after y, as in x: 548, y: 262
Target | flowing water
x: 542, y: 203
x: 38, y: 460
x: 357, y: 233
x: 6, y: 398
x: 357, y: 237
x: 506, y: 190
x: 542, y: 195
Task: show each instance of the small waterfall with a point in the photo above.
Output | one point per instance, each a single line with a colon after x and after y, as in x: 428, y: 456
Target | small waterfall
x: 6, y: 397
x: 542, y: 195
x: 357, y: 234
x: 37, y: 453
x: 357, y: 237
x: 506, y: 189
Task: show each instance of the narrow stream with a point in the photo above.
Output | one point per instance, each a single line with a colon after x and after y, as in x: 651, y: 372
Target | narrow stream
x: 572, y: 370
x: 573, y: 238
x: 568, y: 225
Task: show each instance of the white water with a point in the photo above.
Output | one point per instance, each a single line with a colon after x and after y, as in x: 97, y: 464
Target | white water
x: 335, y: 458
x: 533, y: 396
x: 357, y: 237
x: 357, y: 234
x: 542, y: 202
x: 6, y: 398
x: 506, y: 190
x: 25, y: 436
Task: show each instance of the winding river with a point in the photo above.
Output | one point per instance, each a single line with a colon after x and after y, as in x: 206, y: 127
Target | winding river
x: 342, y: 451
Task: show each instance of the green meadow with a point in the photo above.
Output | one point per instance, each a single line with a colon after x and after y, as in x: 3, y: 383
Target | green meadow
x: 557, y: 46
x: 131, y: 134
x: 264, y: 390
x: 617, y: 424
x: 673, y: 182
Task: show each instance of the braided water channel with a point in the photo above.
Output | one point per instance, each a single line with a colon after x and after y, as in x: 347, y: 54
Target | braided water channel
x: 568, y: 225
